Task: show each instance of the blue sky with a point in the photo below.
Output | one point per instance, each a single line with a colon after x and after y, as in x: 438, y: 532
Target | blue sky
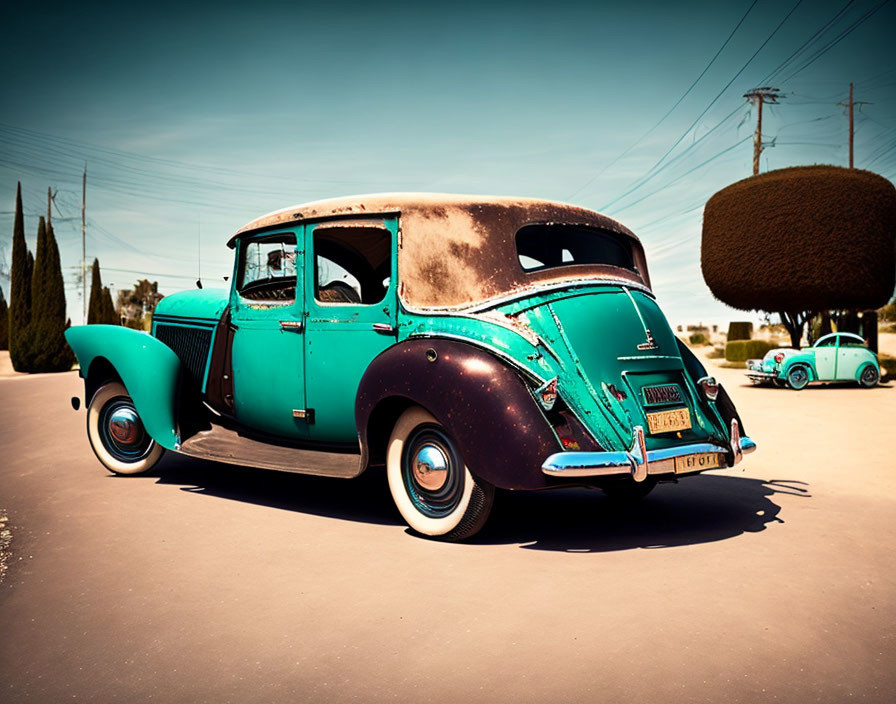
x: 194, y: 121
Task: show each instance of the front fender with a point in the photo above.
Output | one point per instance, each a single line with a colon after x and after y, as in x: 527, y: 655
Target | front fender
x: 502, y: 433
x: 149, y: 370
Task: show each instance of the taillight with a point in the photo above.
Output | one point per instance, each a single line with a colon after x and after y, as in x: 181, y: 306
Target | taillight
x: 564, y: 432
x: 547, y: 394
x: 779, y: 357
x: 710, y: 388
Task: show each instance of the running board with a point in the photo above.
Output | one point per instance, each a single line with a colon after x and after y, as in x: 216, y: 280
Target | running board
x: 225, y: 445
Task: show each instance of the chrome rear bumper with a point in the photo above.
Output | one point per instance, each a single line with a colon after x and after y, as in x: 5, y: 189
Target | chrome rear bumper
x: 638, y: 462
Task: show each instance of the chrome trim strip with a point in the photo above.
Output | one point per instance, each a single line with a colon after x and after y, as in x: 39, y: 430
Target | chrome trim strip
x: 524, y: 293
x: 638, y: 462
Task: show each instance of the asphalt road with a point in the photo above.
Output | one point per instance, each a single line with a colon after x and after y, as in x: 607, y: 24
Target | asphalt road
x: 206, y: 582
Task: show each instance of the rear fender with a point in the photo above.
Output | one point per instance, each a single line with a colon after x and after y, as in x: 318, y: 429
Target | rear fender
x: 723, y: 403
x: 864, y: 365
x: 799, y: 360
x: 149, y: 370
x: 502, y: 433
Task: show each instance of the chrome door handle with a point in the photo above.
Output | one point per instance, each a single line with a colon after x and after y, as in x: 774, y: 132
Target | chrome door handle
x: 292, y: 325
x: 384, y: 328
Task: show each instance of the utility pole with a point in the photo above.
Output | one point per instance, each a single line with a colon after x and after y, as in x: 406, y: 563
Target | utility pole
x: 851, y: 104
x: 758, y: 96
x: 84, y: 242
x: 51, y: 200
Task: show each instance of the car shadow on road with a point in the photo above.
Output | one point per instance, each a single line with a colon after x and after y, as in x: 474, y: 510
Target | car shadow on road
x: 696, y: 510
x: 364, y: 499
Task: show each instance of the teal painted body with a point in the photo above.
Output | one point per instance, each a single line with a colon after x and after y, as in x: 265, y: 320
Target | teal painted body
x: 291, y: 369
x: 588, y: 337
x: 838, y: 357
x: 203, y: 304
x: 148, y: 369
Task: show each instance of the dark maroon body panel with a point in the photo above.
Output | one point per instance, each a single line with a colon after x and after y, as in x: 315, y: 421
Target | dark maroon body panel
x: 503, y: 435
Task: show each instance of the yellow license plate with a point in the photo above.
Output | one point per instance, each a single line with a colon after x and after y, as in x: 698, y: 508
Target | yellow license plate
x: 696, y: 463
x: 669, y: 421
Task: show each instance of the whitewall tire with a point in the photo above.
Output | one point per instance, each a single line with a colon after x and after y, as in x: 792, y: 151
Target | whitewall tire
x: 116, y: 432
x: 431, y: 485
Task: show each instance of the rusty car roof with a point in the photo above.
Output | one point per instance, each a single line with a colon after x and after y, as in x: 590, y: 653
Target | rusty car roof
x: 460, y: 250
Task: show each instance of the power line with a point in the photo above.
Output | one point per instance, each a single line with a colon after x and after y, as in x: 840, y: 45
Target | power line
x: 830, y: 45
x: 653, y: 171
x: 671, y: 110
x: 770, y: 77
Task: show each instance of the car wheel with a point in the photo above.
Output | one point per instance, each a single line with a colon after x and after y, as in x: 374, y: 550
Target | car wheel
x: 116, y: 432
x: 431, y: 485
x: 870, y: 376
x: 628, y: 491
x: 797, y: 378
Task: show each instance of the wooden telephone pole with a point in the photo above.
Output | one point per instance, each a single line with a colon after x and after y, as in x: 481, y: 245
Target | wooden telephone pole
x: 758, y: 96
x: 851, y: 104
x: 84, y: 242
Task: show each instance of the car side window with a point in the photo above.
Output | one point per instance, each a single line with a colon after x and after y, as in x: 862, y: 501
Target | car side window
x: 268, y: 269
x: 352, y: 264
x: 830, y: 342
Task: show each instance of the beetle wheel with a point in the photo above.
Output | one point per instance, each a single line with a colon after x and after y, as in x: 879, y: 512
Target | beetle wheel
x: 870, y: 376
x: 431, y: 485
x: 798, y: 377
x: 116, y: 432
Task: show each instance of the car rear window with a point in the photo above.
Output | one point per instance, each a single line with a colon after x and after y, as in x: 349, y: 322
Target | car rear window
x: 555, y: 245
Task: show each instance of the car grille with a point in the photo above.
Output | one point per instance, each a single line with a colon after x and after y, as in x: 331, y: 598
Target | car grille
x: 190, y: 344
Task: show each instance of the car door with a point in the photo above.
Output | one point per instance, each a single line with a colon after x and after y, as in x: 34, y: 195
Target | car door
x: 350, y: 286
x: 852, y: 354
x: 826, y: 358
x: 267, y: 314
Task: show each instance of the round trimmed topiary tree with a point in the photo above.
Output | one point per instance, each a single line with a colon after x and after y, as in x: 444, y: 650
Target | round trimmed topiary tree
x: 802, y: 240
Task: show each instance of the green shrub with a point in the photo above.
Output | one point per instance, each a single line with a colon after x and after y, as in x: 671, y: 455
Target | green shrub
x: 698, y: 338
x: 742, y: 350
x: 740, y: 331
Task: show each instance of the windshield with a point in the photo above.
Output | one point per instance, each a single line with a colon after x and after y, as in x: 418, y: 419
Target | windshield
x: 553, y: 245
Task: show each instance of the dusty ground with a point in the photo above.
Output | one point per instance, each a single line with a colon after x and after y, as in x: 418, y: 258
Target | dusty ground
x: 209, y: 583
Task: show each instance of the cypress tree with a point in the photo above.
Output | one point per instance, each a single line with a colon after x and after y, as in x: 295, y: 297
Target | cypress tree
x: 49, y: 350
x: 4, y: 323
x: 19, y: 289
x: 110, y: 317
x: 96, y: 294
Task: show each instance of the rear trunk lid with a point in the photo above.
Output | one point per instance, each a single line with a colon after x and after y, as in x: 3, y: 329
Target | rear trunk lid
x: 620, y: 366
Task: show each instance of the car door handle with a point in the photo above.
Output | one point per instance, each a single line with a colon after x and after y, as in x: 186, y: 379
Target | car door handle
x: 292, y: 325
x: 384, y: 328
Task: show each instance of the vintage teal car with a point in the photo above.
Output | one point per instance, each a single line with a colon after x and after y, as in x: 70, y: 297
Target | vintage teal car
x: 835, y: 357
x: 464, y: 343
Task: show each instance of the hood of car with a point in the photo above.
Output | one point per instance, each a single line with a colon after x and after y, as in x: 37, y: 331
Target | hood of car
x: 205, y: 303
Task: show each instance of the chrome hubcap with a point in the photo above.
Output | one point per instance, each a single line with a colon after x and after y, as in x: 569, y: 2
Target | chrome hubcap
x: 430, y: 468
x: 124, y: 426
x: 433, y: 471
x: 122, y: 432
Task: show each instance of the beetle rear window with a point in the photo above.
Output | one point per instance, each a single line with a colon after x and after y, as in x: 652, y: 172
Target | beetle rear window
x: 554, y: 245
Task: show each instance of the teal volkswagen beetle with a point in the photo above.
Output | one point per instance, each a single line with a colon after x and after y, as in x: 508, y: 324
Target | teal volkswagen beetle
x: 463, y: 343
x: 834, y: 357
